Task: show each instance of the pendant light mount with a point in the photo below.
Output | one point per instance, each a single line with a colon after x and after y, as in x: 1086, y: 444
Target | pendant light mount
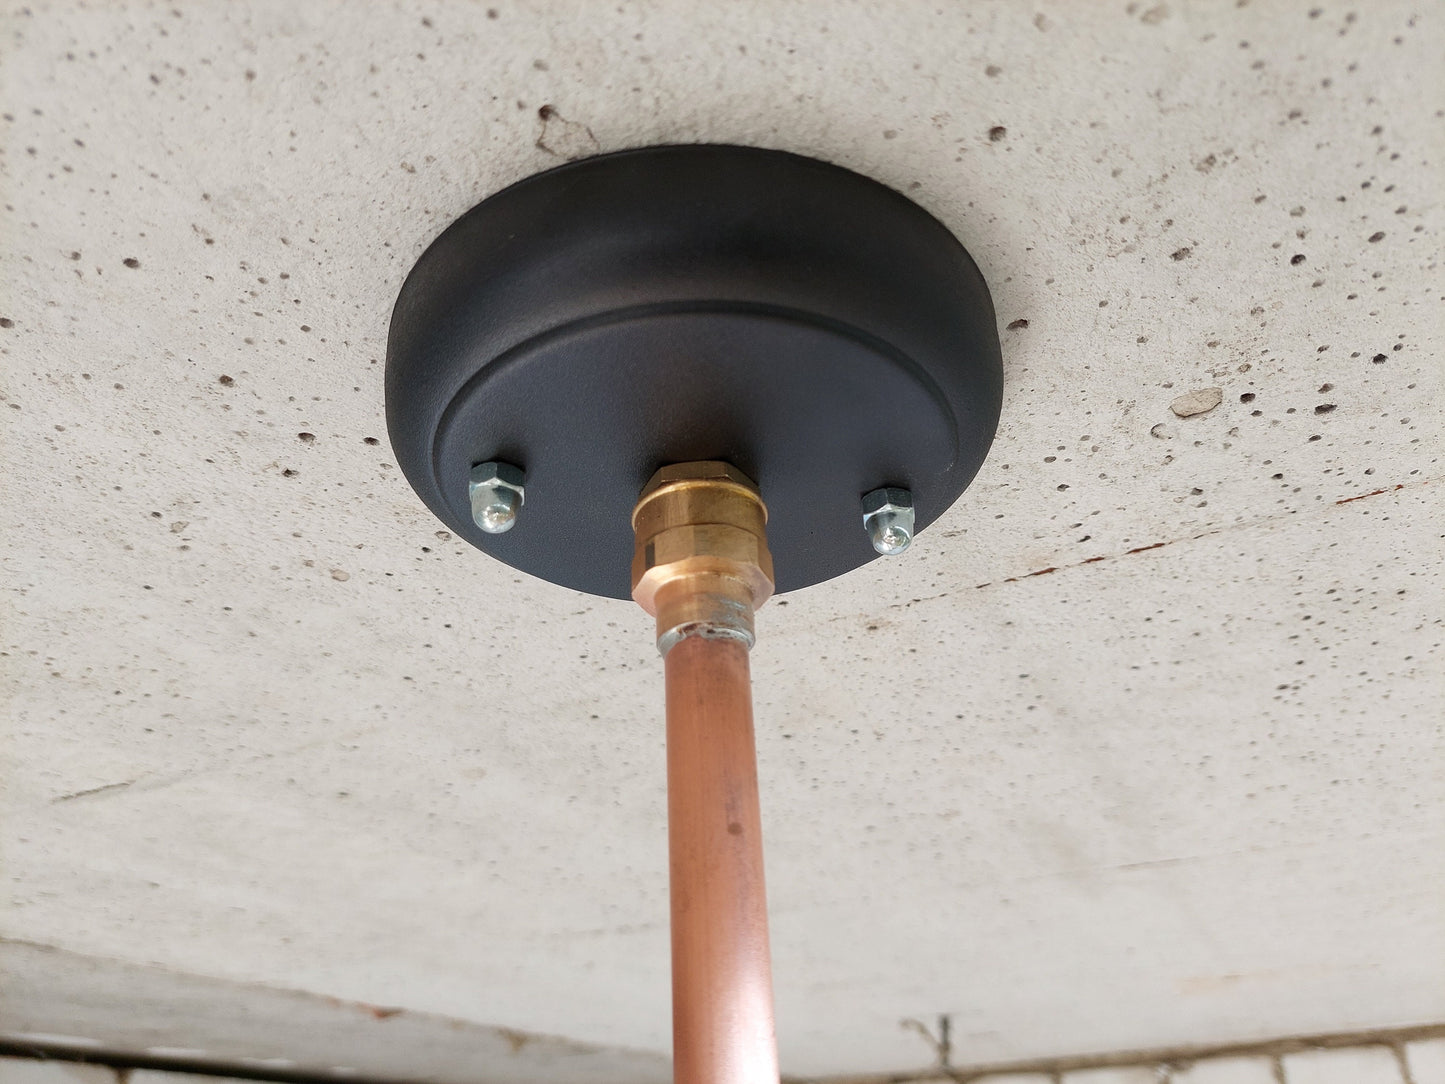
x: 589, y: 325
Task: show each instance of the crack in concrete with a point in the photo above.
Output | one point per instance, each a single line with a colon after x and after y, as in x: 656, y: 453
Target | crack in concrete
x: 1114, y: 556
x: 90, y: 791
x: 1226, y: 528
x: 1373, y: 493
x: 158, y: 782
x: 1156, y: 545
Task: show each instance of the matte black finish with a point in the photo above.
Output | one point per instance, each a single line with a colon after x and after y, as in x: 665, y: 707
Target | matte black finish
x: 592, y: 323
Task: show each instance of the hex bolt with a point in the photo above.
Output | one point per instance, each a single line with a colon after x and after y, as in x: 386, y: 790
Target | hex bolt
x: 497, y: 496
x: 888, y: 516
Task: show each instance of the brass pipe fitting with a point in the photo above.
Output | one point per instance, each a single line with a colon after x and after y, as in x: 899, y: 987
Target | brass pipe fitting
x: 701, y: 565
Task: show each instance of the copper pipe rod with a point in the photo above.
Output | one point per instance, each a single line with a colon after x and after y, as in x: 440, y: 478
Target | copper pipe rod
x: 701, y: 568
x: 722, y: 989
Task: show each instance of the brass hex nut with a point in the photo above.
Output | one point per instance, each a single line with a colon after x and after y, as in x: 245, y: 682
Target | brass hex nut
x: 704, y: 470
x: 704, y: 523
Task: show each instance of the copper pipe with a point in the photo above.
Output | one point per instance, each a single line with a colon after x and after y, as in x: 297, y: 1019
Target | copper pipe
x: 701, y: 568
x: 722, y: 990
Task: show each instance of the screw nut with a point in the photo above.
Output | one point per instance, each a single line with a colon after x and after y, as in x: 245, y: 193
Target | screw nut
x: 888, y: 517
x: 497, y: 495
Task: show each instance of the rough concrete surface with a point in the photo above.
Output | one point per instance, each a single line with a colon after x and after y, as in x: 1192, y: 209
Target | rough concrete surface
x: 1138, y: 746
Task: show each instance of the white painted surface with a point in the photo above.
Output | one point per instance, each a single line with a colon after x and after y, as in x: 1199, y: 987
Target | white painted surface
x: 1124, y: 1074
x: 1426, y: 1061
x: 269, y: 729
x: 1227, y: 1071
x: 1364, y: 1065
x: 26, y: 1071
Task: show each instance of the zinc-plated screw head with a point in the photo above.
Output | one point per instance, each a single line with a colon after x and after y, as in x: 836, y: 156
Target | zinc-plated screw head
x: 497, y: 496
x: 888, y: 516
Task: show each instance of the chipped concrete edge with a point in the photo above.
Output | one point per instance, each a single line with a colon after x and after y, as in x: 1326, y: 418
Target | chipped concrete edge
x: 60, y: 1004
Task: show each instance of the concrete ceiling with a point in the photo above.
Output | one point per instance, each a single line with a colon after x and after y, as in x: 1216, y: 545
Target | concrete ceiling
x: 1140, y: 745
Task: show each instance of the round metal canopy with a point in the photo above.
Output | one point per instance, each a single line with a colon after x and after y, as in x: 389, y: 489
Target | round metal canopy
x: 590, y: 324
